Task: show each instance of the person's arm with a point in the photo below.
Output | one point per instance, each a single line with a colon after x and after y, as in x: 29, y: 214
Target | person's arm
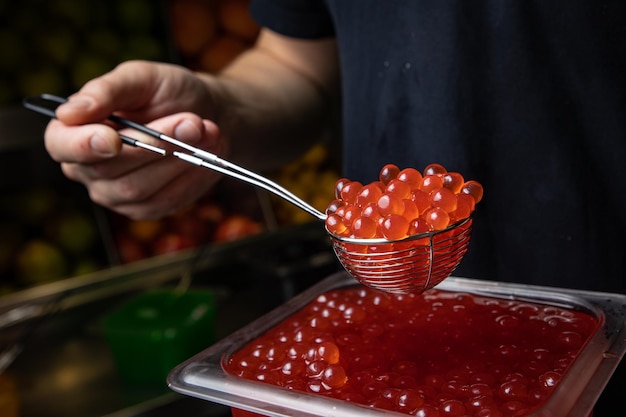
x: 277, y: 98
x: 274, y: 100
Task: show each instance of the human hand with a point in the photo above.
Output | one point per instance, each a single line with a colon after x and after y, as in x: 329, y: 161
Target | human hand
x: 132, y: 181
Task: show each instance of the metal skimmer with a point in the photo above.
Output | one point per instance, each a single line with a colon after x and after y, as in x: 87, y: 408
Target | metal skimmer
x: 410, y: 265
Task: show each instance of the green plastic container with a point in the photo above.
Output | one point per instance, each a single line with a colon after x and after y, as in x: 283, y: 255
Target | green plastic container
x: 157, y: 330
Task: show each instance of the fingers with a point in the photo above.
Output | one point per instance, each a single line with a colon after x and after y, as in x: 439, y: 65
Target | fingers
x: 136, y: 182
x: 154, y: 190
x: 129, y: 86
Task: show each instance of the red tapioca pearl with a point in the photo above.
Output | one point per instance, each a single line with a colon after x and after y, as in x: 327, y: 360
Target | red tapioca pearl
x: 373, y: 389
x: 348, y: 339
x: 537, y: 396
x: 334, y: 376
x: 297, y: 350
x: 293, y: 368
x: 444, y: 199
x: 329, y: 313
x: 549, y: 380
x: 435, y: 380
x: 315, y: 368
x: 354, y: 314
x: 514, y: 377
x: 437, y: 218
x: 360, y: 378
x: 333, y: 206
x: 508, y: 321
x: 515, y: 408
x: 509, y: 352
x: 315, y: 386
x: 459, y: 375
x: 389, y: 204
x: 571, y: 340
x: 430, y: 183
x: 491, y: 411
x: 394, y: 227
x: 513, y: 390
x: 473, y: 188
x: 380, y: 403
x: 427, y: 392
x: 453, y: 181
x: 427, y: 410
x: 435, y: 169
x: 335, y: 225
x: 404, y: 381
x: 296, y: 384
x: 410, y: 211
x: 409, y: 368
x: 456, y: 389
x: 390, y: 394
x: 452, y: 408
x: 370, y: 210
x: 350, y: 191
x: 534, y: 367
x: 276, y: 353
x: 388, y: 173
x: 319, y: 323
x: 480, y: 402
x: 353, y: 397
x: 479, y: 389
x: 364, y: 227
x: 411, y: 176
x: 409, y: 399
x: 327, y: 351
x: 370, y: 193
x: 269, y: 377
x: 524, y: 309
x: 339, y: 184
x: 421, y: 199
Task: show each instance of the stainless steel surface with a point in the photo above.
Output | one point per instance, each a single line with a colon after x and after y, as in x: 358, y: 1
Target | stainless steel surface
x: 66, y: 368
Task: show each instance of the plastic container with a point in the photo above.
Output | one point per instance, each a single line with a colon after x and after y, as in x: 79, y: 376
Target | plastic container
x: 158, y: 329
x: 204, y: 375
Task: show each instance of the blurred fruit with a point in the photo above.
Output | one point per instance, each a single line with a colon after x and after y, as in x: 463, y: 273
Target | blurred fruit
x: 221, y: 52
x: 129, y: 249
x: 145, y: 230
x: 235, y: 18
x: 88, y: 66
x: 136, y: 15
x: 311, y: 177
x: 40, y: 261
x: 236, y: 227
x: 33, y: 82
x: 10, y: 239
x: 9, y: 396
x: 75, y: 231
x: 193, y: 25
x: 172, y: 242
x: 33, y: 205
x: 85, y: 266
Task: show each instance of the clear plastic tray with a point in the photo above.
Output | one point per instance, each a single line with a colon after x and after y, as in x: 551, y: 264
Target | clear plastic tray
x: 202, y: 376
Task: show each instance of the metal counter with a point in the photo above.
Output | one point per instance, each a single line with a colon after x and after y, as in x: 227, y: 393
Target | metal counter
x: 65, y: 367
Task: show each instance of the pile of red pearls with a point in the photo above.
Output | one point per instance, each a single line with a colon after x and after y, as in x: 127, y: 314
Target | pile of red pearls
x: 401, y: 203
x: 438, y: 354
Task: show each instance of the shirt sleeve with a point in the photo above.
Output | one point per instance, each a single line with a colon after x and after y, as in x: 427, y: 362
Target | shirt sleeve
x: 306, y: 19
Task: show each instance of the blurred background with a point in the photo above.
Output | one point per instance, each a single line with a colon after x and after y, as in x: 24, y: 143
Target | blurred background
x: 49, y: 230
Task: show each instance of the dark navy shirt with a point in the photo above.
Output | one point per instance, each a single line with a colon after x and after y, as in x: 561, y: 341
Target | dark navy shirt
x: 527, y: 97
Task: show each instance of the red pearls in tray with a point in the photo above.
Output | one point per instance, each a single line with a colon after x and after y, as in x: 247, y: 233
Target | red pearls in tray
x: 431, y: 355
x: 401, y: 203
